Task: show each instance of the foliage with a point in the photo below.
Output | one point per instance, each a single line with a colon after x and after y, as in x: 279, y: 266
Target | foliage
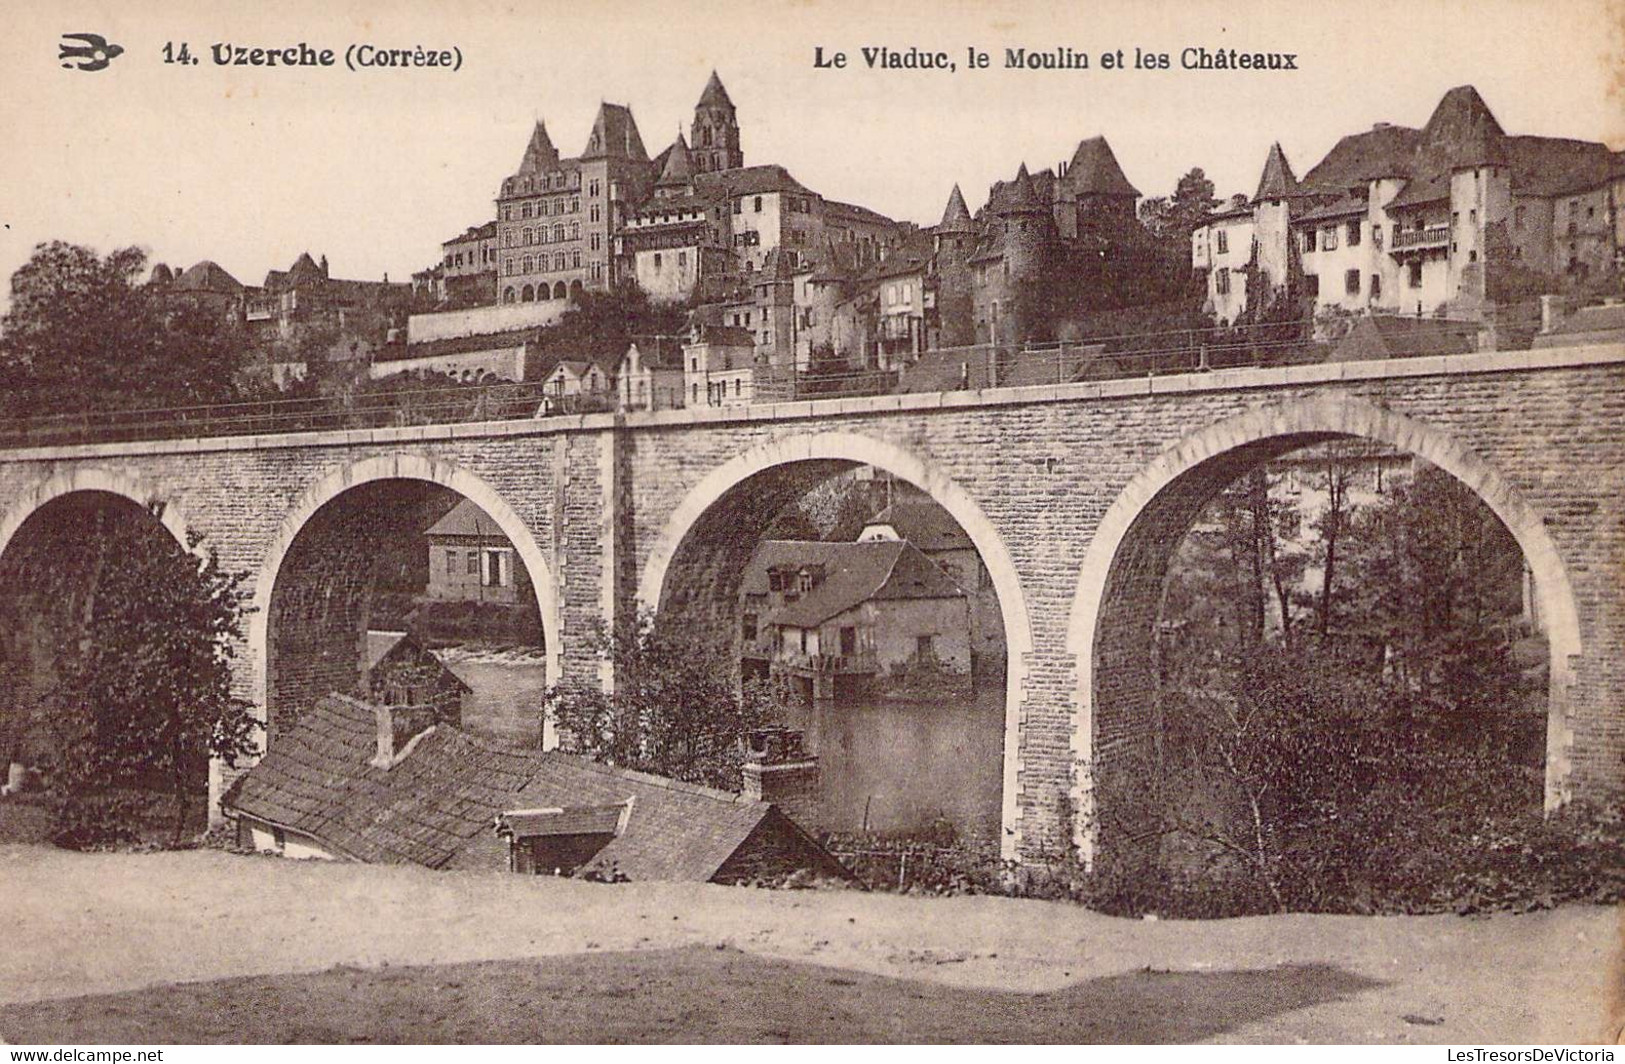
x: 83, y: 333
x: 675, y: 710
x: 142, y: 635
x: 1351, y: 755
x: 601, y: 325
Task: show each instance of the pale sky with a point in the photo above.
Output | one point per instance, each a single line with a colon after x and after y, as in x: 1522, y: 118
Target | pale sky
x: 249, y: 167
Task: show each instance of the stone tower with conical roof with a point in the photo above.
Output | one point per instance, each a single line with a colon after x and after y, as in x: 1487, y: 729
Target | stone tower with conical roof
x: 714, y: 136
x: 1272, y: 226
x: 954, y: 240
x: 1463, y: 139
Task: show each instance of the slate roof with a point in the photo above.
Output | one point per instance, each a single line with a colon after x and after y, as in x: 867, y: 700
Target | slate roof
x: 1094, y: 170
x: 956, y: 216
x: 447, y: 792
x: 924, y: 524
x: 1383, y: 151
x: 465, y: 519
x: 676, y: 831
x: 570, y: 820
x: 205, y: 276
x: 1391, y: 336
x: 540, y: 154
x: 1461, y: 132
x: 488, y: 231
x: 1600, y: 324
x: 714, y: 95
x: 317, y: 780
x: 749, y: 181
x: 1556, y: 166
x: 835, y: 209
x: 854, y: 573
x: 913, y: 256
x: 616, y: 134
x: 1015, y: 196
x: 676, y: 165
x: 1277, y: 181
x: 945, y: 371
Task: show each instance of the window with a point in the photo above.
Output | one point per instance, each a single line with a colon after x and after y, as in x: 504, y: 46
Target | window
x: 575, y: 204
x: 1472, y: 256
x: 1376, y: 286
x: 594, y: 242
x: 1311, y: 285
x: 757, y: 208
x: 1328, y: 240
x: 473, y: 563
x: 575, y: 260
x: 739, y: 206
x: 592, y: 188
x: 594, y: 214
x: 451, y: 561
x: 524, y: 211
x: 1415, y: 270
x: 558, y: 234
x: 1308, y: 241
x: 908, y: 292
x: 1354, y: 234
x: 849, y: 641
x: 1455, y: 218
x: 657, y: 260
x: 575, y: 230
x: 682, y: 259
x: 922, y: 646
x: 1221, y: 281
x: 1224, y: 241
x: 1351, y: 282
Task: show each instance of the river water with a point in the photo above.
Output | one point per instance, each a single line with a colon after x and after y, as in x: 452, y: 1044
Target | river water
x: 885, y: 765
x: 896, y: 766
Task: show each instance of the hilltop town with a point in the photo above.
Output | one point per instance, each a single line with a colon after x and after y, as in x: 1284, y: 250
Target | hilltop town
x: 778, y: 291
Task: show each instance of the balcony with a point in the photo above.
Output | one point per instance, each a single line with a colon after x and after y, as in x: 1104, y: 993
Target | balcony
x: 1436, y: 236
x: 846, y: 664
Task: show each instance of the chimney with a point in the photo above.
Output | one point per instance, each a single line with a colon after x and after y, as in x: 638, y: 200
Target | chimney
x: 399, y: 729
x: 324, y: 265
x: 779, y: 771
x: 1551, y: 313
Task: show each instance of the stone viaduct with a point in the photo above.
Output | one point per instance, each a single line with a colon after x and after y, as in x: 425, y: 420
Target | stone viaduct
x: 1076, y: 495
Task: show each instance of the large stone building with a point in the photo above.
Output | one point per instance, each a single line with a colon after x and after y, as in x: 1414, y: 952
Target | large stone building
x: 555, y: 215
x: 1032, y: 234
x: 1442, y: 219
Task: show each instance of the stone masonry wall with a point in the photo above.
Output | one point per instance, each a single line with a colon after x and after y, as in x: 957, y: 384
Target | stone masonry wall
x: 1043, y: 467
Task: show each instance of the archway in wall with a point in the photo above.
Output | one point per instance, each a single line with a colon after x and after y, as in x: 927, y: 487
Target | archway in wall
x: 1126, y: 625
x: 889, y: 765
x: 78, y: 561
x: 407, y: 547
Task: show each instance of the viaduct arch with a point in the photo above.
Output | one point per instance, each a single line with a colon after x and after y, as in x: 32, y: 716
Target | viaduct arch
x: 849, y: 449
x: 1120, y: 582
x: 397, y: 467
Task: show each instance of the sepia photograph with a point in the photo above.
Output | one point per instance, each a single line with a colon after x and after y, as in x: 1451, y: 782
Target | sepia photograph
x: 809, y: 522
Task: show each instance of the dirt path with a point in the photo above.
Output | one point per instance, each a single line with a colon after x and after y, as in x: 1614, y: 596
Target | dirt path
x: 76, y: 924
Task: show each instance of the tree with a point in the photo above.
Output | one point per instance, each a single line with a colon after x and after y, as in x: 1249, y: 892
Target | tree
x: 82, y: 333
x: 142, y: 637
x: 1173, y: 218
x: 675, y: 710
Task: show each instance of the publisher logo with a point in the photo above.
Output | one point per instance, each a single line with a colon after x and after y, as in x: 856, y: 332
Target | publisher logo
x: 93, y: 52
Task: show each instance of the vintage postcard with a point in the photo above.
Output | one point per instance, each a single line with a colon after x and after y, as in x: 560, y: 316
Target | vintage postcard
x: 802, y: 521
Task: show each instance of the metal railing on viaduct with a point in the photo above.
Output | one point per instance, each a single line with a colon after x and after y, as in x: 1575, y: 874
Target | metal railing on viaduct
x: 975, y: 368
